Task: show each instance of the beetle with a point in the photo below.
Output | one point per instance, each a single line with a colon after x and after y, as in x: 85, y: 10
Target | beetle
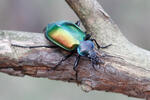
x: 71, y: 38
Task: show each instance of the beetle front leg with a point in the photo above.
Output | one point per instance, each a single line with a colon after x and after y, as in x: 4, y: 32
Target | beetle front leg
x: 98, y: 46
x: 88, y: 36
x: 106, y: 46
x: 76, y: 65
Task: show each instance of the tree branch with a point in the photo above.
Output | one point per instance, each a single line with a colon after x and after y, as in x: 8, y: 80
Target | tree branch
x: 126, y: 71
x: 97, y: 21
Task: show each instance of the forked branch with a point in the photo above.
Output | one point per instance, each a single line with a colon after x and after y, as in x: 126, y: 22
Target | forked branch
x: 126, y: 71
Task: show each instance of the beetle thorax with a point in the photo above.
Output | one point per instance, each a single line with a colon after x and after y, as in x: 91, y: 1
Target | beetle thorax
x: 85, y: 48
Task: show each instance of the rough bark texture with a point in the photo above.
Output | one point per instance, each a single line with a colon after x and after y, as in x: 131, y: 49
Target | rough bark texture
x: 127, y: 72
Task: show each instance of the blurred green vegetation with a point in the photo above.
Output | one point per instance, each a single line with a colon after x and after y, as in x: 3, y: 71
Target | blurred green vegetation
x: 132, y: 16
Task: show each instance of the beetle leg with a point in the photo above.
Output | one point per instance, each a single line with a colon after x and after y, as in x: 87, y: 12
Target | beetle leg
x: 98, y: 46
x: 76, y: 65
x: 106, y: 46
x: 15, y: 45
x: 78, y: 23
x: 93, y: 64
x: 76, y: 62
x: 63, y: 59
x: 88, y: 36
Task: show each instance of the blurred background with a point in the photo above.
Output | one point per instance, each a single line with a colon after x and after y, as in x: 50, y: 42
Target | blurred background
x: 132, y: 16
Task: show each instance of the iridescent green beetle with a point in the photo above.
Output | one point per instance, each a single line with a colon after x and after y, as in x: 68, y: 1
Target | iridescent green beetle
x: 64, y: 34
x: 70, y: 37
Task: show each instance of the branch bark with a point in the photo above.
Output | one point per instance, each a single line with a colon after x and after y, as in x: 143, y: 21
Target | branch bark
x: 125, y: 72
